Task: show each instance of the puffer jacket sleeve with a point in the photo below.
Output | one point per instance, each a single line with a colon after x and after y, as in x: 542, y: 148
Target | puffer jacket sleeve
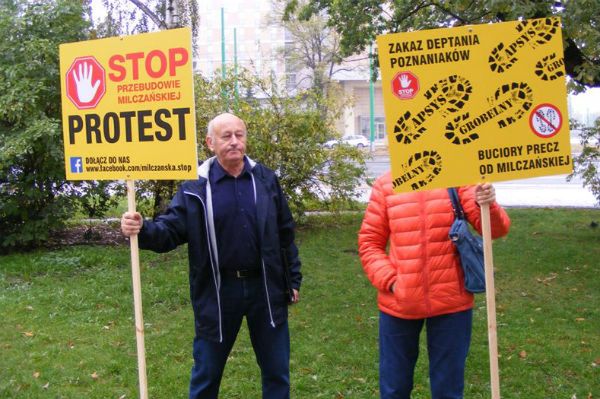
x: 499, y: 219
x: 373, y: 238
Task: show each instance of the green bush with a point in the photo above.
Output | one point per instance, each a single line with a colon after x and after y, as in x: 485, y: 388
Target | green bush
x: 34, y: 196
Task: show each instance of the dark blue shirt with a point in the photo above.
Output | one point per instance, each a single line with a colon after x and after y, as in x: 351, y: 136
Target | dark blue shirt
x: 234, y: 210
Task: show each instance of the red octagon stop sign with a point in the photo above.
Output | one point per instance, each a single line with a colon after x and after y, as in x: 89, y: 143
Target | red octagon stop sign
x: 405, y: 85
x: 86, y: 82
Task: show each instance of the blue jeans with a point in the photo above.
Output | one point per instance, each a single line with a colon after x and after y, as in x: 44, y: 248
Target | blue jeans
x: 448, y: 340
x: 239, y: 298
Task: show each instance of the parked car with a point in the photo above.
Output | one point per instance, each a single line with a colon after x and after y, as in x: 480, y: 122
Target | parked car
x: 352, y: 140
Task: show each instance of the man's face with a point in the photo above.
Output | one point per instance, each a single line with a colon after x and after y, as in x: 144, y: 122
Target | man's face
x: 229, y: 139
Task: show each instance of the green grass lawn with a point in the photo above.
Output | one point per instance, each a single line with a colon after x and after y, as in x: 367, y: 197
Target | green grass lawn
x: 67, y: 323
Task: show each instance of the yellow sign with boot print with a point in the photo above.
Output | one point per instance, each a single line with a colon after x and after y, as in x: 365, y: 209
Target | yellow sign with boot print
x: 475, y: 103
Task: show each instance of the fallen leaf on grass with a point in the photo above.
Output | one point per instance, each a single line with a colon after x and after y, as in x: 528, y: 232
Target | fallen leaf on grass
x: 28, y: 334
x: 580, y: 319
x: 47, y: 385
x: 547, y: 280
x: 110, y: 325
x: 36, y: 374
x: 94, y: 375
x: 523, y: 354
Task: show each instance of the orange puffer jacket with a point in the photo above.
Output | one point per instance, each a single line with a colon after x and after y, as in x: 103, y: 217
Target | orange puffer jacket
x: 422, y: 261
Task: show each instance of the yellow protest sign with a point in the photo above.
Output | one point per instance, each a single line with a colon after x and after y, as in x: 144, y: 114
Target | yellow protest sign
x: 475, y: 103
x: 128, y: 107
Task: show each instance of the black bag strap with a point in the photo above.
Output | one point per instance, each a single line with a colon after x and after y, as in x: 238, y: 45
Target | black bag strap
x: 458, y: 210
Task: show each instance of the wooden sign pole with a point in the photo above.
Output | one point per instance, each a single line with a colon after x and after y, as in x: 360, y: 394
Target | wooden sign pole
x: 137, y: 297
x: 490, y: 298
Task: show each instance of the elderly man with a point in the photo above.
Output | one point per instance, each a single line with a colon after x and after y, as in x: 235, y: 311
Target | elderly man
x: 240, y: 235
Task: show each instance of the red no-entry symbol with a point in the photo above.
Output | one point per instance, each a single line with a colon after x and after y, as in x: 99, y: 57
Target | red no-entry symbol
x: 86, y: 82
x: 545, y: 120
x: 405, y: 85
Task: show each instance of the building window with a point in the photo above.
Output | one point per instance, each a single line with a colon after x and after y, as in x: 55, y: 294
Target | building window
x: 290, y: 81
x: 365, y: 127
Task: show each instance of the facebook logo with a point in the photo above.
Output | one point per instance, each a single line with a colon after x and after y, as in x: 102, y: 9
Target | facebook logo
x: 76, y: 165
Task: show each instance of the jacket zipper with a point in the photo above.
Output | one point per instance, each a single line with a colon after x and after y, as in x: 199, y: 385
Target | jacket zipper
x: 262, y: 261
x: 216, y: 274
x: 267, y: 291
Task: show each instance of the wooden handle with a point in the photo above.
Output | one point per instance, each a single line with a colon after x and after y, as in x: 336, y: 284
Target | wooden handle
x: 490, y: 298
x: 137, y: 297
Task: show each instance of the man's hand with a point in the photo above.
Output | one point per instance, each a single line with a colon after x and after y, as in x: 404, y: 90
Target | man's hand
x: 485, y: 193
x: 131, y: 223
x: 85, y: 90
x: 296, y: 295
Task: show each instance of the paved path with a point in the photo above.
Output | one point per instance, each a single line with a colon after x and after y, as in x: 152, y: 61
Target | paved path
x: 545, y: 191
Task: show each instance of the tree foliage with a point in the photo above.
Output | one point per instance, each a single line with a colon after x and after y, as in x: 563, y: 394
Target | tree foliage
x: 312, y: 48
x: 587, y: 163
x: 129, y: 17
x: 358, y: 22
x: 34, y: 196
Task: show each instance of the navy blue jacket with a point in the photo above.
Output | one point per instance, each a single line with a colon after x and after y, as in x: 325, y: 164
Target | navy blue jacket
x: 189, y: 219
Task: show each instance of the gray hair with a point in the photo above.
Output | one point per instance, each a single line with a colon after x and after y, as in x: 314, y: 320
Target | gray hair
x: 211, y: 127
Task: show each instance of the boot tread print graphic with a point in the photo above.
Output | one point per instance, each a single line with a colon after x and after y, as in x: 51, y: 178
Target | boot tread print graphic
x: 447, y: 95
x: 544, y: 29
x: 517, y: 94
x: 420, y: 170
x: 509, y: 103
x: 533, y: 33
x: 454, y: 126
x: 550, y: 67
